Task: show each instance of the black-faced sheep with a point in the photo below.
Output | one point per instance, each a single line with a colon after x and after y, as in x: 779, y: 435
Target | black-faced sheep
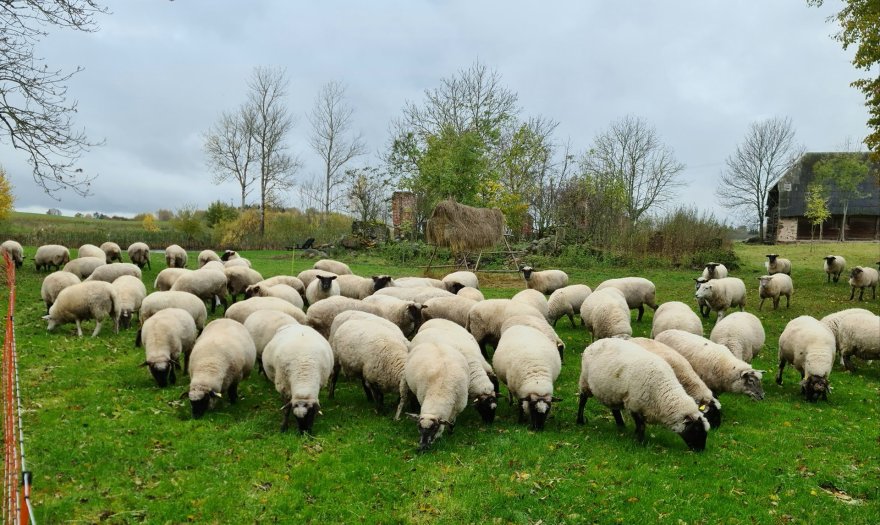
x: 834, y: 265
x: 721, y: 294
x: 15, y: 251
x: 130, y: 294
x: 90, y: 250
x: 52, y: 256
x: 83, y: 267
x: 809, y: 345
x: 139, y: 254
x: 863, y: 277
x: 53, y: 284
x: 740, y: 332
x: 87, y: 300
x: 567, y: 301
x: 221, y: 358
x: 112, y: 251
x: 545, y: 281
x: 675, y: 314
x: 175, y: 257
x: 322, y: 287
x: 777, y: 264
x: 166, y: 337
x: 774, y: 286
x: 335, y: 267
x: 637, y: 291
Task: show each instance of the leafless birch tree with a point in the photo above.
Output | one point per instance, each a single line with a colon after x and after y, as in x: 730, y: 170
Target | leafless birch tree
x: 231, y: 149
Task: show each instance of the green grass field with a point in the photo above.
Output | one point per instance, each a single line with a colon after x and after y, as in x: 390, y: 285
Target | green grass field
x: 106, y: 444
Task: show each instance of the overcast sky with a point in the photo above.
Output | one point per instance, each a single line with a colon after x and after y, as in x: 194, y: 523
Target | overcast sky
x: 158, y: 74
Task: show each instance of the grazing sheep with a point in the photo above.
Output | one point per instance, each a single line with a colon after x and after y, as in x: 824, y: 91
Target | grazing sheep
x: 262, y: 326
x: 538, y: 324
x: 289, y: 280
x: 832, y: 321
x: 307, y: 276
x: 112, y: 251
x: 281, y: 291
x: 407, y: 315
x: 676, y: 314
x: 637, y: 291
x: 207, y: 285
x: 452, y: 308
x: 776, y: 264
x: 624, y: 376
x: 721, y: 294
x: 486, y: 317
x: 130, y: 293
x: 321, y: 315
x: 834, y: 266
x: 567, y: 301
x: 741, y: 333
x: 714, y: 270
x: 51, y: 255
x: 90, y: 250
x: 15, y: 251
x: 166, y: 336
x: 87, y: 300
x: 455, y: 281
x: 418, y: 294
x: 773, y: 286
x: 222, y: 357
x: 419, y: 282
x: 809, y: 345
x: 856, y: 333
x: 206, y: 256
x: 716, y: 366
x: 238, y: 278
x: 438, y: 375
x: 546, y: 281
x: 329, y: 265
x: 229, y: 255
x: 241, y: 310
x: 238, y: 261
x: 167, y: 277
x: 213, y: 265
x: 111, y: 272
x: 157, y: 301
x: 357, y: 287
x: 863, y: 277
x: 139, y: 254
x: 535, y: 299
x: 528, y: 363
x: 352, y: 315
x: 83, y: 267
x: 175, y: 257
x: 605, y: 313
x: 321, y: 288
x: 53, y: 284
x: 470, y: 293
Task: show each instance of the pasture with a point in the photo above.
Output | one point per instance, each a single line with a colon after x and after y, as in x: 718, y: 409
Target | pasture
x: 106, y: 444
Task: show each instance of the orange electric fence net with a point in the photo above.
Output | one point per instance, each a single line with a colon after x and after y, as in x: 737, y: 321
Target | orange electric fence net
x: 16, y: 478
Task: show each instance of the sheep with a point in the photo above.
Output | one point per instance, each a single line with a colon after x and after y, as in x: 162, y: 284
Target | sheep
x: 482, y: 381
x: 834, y: 266
x: 772, y: 286
x: 289, y: 280
x: 538, y: 324
x: 546, y: 281
x: 238, y: 278
x: 624, y: 376
x: 262, y: 326
x: 714, y: 270
x: 241, y: 310
x: 470, y: 293
x: 675, y: 314
x: 320, y: 316
x: 419, y: 294
x: 684, y: 372
x: 53, y: 284
x: 776, y: 264
x: 130, y: 293
x: 307, y: 276
x: 716, y: 366
x: 111, y: 272
x: 205, y: 256
x: 299, y: 361
x: 139, y: 254
x: 90, y: 250
x: 166, y: 336
x: 87, y: 300
x: 165, y: 279
x: 357, y: 287
x: 282, y: 291
x: 863, y: 277
x: 175, y: 257
x: 535, y: 299
x: 567, y: 301
x: 528, y: 363
x: 321, y: 288
x: 207, y: 285
x: 221, y: 358
x: 832, y: 321
x: 809, y: 345
x: 637, y: 291
x: 374, y: 353
x: 112, y: 251
x: 213, y: 265
x: 329, y: 265
x: 702, y: 304
x: 721, y: 294
x: 741, y: 333
x: 229, y: 255
x: 438, y: 376
x: 157, y: 301
x: 856, y: 333
x: 453, y: 308
x: 83, y: 267
x: 407, y: 315
x: 238, y: 261
x: 15, y: 251
x: 351, y: 315
x: 606, y: 314
x: 419, y: 282
x: 458, y: 280
x: 486, y: 317
x: 51, y: 255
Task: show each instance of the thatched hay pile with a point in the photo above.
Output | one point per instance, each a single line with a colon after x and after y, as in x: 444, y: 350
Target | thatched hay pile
x: 464, y: 228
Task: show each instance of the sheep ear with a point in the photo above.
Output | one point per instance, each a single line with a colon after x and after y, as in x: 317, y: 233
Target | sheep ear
x: 414, y: 417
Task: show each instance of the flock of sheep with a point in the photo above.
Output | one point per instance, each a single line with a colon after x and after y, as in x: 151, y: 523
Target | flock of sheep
x: 426, y: 339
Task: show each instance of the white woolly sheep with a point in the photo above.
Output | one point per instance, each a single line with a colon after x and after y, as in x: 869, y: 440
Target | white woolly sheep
x: 567, y: 301
x: 538, y: 324
x: 438, y: 375
x: 229, y: 255
x: 165, y: 279
x: 242, y: 309
x: 407, y: 315
x: 15, y: 251
x: 222, y: 357
x: 90, y: 250
x: 687, y: 376
x: 545, y: 281
x: 112, y: 251
x: 329, y: 265
x: 624, y: 376
x: 53, y: 284
x: 777, y: 264
x: 206, y: 256
x: 262, y: 326
x: 214, y: 265
x: 281, y: 291
x: 740, y: 332
x: 238, y: 278
x: 675, y: 314
x: 606, y: 314
x: 289, y: 280
x: 299, y: 361
x: 207, y: 285
x: 307, y: 276
x: 535, y: 299
x: 87, y: 300
x: 716, y: 366
x: 858, y: 337
x: 166, y: 336
x: 834, y: 265
x: 139, y: 254
x: 321, y: 315
x: 714, y: 270
x: 774, y: 286
x: 51, y: 255
x: 157, y: 301
x: 175, y: 257
x: 452, y: 308
x: 721, y: 294
x: 357, y: 287
x: 637, y: 291
x: 130, y: 293
x: 455, y: 281
x: 357, y: 315
x: 111, y: 272
x: 863, y: 277
x: 83, y: 267
x: 702, y: 304
x: 528, y: 363
x: 832, y: 321
x: 418, y: 294
x: 322, y: 287
x: 809, y: 346
x: 486, y: 317
x: 470, y: 293
x: 238, y: 261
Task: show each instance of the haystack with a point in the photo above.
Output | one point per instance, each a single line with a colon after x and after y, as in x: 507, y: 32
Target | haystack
x: 464, y: 228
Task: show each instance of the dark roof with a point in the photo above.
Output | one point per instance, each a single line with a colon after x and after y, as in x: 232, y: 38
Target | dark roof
x: 792, y: 189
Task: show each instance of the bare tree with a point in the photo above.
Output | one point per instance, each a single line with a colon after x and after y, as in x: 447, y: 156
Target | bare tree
x: 367, y: 192
x: 331, y: 120
x: 231, y: 149
x: 630, y: 153
x: 766, y: 154
x: 550, y: 179
x: 34, y: 111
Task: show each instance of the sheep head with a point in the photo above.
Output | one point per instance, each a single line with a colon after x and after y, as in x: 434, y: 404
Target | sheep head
x: 430, y: 428
x: 304, y: 411
x: 326, y: 281
x: 381, y: 281
x: 815, y: 387
x: 749, y: 383
x: 537, y: 407
x: 695, y: 431
x: 486, y: 405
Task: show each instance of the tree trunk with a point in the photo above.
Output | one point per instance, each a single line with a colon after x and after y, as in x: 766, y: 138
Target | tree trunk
x: 843, y: 221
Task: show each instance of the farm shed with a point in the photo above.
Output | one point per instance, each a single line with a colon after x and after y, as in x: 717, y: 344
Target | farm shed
x: 786, y: 205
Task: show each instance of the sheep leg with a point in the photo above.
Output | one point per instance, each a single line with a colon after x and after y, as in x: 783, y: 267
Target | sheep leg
x: 379, y: 397
x: 760, y: 306
x: 285, y: 421
x: 404, y: 393
x: 79, y: 330
x: 582, y: 402
x: 232, y: 392
x: 482, y: 344
x: 367, y: 391
x: 641, y: 312
x: 779, y: 372
x: 852, y: 293
x: 787, y: 301
x: 520, y: 412
x: 847, y: 362
x: 775, y: 303
x: 618, y: 417
x: 874, y: 292
x: 331, y: 392
x: 862, y: 294
x: 97, y: 329
x: 640, y: 426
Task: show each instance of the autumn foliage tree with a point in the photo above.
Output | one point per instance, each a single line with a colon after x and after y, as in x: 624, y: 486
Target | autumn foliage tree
x: 7, y: 199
